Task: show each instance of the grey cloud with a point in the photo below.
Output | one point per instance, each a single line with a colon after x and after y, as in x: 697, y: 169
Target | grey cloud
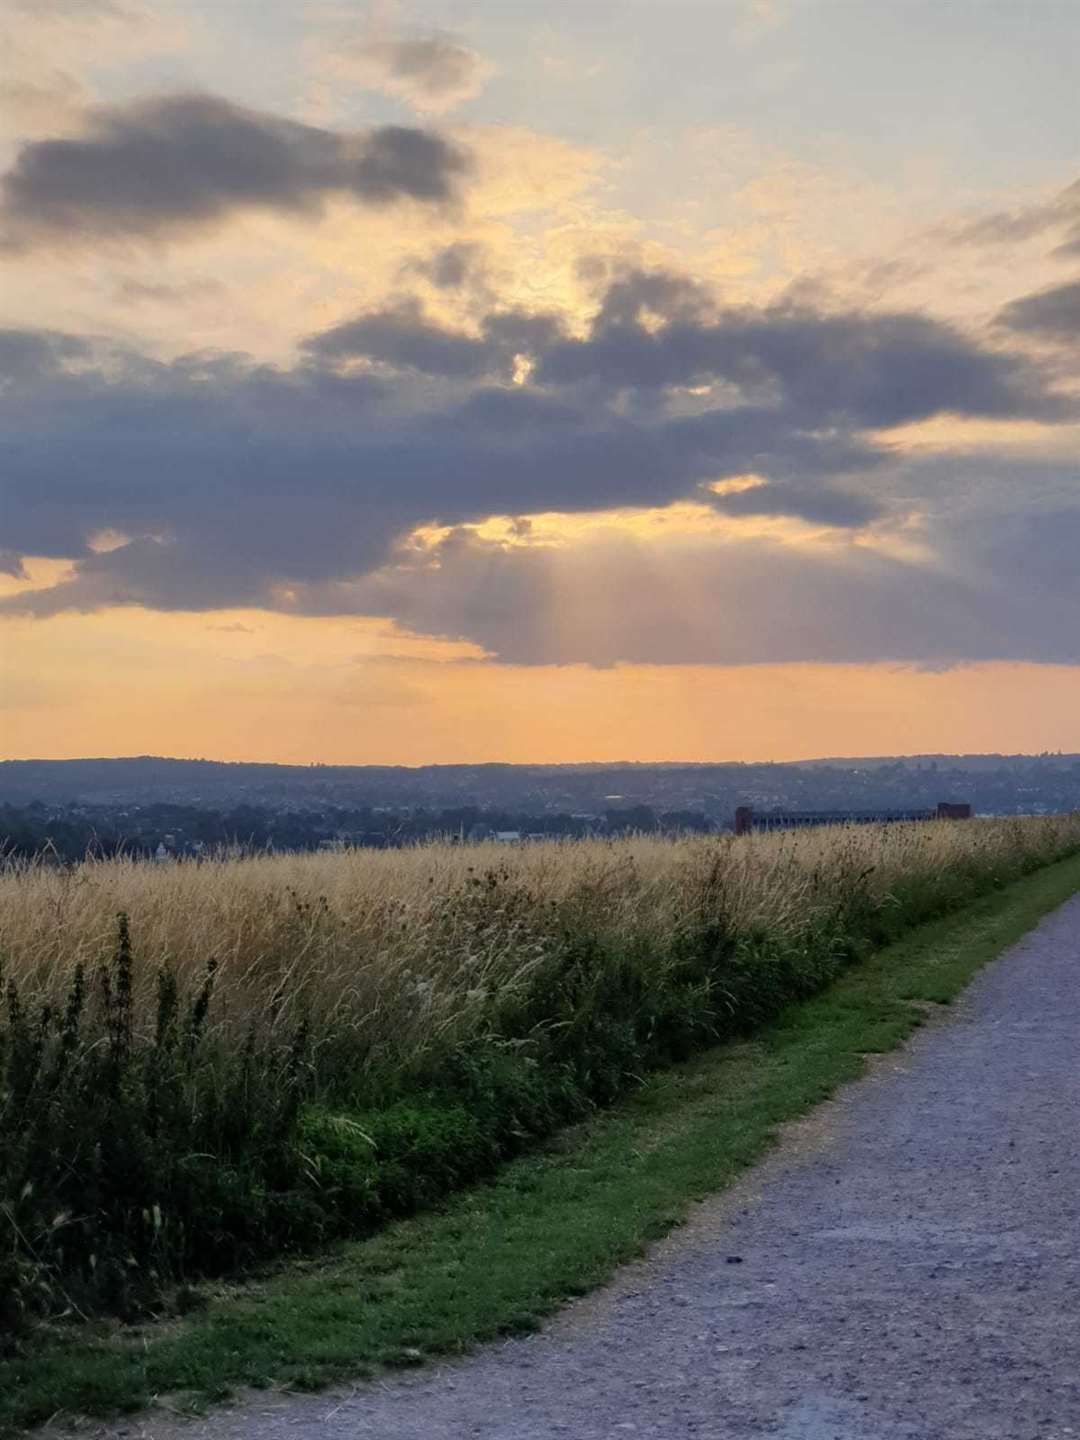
x: 1054, y: 313
x: 1059, y: 216
x: 628, y: 296
x: 453, y: 265
x: 655, y: 332
x: 223, y: 566
x: 865, y: 370
x: 236, y: 481
x: 510, y: 412
x: 401, y: 336
x: 821, y: 505
x: 245, y: 484
x: 28, y: 354
x: 528, y: 332
x: 395, y: 162
x: 1005, y: 586
x: 1029, y: 560
x: 162, y: 165
x: 434, y: 72
x: 728, y: 602
x: 460, y: 267
x: 186, y: 450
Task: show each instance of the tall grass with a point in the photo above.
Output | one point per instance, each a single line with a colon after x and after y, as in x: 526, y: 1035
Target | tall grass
x: 206, y: 1063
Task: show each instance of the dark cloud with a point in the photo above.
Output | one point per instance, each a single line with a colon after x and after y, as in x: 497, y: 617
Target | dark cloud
x: 395, y: 162
x: 236, y: 482
x: 820, y: 505
x: 630, y: 298
x: 655, y: 332
x: 1054, y: 313
x: 864, y: 370
x: 329, y: 541
x: 401, y: 336
x: 245, y: 484
x: 158, y: 166
x: 185, y: 451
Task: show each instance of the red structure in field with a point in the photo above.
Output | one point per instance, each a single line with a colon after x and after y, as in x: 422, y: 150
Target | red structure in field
x: 746, y: 820
x: 948, y: 811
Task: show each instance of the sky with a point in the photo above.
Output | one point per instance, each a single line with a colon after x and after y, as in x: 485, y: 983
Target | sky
x: 590, y: 380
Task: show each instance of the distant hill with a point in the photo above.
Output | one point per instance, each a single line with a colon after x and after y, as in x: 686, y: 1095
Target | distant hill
x: 991, y: 783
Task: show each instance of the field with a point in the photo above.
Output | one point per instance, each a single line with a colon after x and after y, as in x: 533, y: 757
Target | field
x: 202, y: 1066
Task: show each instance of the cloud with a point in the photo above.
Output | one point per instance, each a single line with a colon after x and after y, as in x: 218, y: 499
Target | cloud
x: 239, y: 484
x: 660, y: 332
x: 818, y: 504
x: 1053, y: 313
x: 31, y: 354
x: 161, y: 166
x: 453, y: 266
x: 1026, y: 222
x: 735, y: 600
x: 863, y: 369
x: 431, y: 73
x: 401, y: 336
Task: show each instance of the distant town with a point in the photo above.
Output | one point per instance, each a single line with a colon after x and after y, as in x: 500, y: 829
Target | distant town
x: 163, y: 809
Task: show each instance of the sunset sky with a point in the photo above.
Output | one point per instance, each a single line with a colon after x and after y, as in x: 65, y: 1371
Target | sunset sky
x: 496, y: 380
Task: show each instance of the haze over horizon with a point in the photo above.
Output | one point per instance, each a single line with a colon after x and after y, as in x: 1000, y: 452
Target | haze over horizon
x: 411, y: 383
x: 616, y: 763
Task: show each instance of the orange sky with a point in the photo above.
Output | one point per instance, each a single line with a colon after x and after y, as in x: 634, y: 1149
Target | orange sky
x: 244, y: 686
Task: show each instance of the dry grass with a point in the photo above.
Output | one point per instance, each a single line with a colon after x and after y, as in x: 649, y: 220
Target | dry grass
x: 407, y: 947
x: 377, y: 1029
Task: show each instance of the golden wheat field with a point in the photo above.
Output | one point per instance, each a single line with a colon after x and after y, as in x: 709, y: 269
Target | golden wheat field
x: 408, y: 945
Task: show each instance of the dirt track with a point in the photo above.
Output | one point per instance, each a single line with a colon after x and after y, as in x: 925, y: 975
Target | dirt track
x: 907, y: 1268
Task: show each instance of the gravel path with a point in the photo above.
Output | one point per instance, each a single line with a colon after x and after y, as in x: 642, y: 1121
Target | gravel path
x: 906, y: 1268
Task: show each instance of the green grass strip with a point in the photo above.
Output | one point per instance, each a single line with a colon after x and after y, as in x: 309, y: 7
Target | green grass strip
x: 499, y: 1258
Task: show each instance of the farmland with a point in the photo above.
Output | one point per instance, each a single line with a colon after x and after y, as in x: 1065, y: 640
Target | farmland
x: 205, y: 1065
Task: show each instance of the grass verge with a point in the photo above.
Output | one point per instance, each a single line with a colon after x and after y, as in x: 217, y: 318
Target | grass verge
x: 499, y: 1258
